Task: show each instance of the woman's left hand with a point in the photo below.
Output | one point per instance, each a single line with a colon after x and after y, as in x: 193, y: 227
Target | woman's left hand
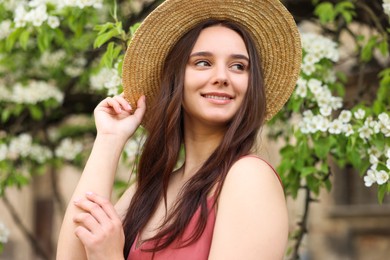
x: 99, y: 228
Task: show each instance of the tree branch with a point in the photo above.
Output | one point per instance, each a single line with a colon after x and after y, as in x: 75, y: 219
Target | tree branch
x: 29, y: 235
x: 302, y: 225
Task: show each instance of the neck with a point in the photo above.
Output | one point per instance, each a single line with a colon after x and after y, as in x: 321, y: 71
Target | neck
x: 200, y: 141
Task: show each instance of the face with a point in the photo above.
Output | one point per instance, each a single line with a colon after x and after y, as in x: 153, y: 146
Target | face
x: 216, y: 77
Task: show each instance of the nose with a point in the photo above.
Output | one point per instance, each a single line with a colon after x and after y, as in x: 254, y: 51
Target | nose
x: 221, y: 77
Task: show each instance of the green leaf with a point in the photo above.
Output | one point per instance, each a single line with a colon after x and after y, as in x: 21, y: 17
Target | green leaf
x: 322, y: 147
x: 11, y: 39
x: 378, y: 106
x: 43, y: 41
x: 346, y: 9
x: 354, y: 157
x: 134, y: 28
x: 367, y: 51
x: 306, y: 171
x: 103, y: 28
x: 111, y: 54
x: 105, y: 37
x: 325, y: 12
x: 328, y: 185
x: 35, y: 112
x: 382, y: 190
x: 313, y: 184
x: 23, y: 39
x: 383, y: 47
x: 5, y: 115
x: 379, y: 142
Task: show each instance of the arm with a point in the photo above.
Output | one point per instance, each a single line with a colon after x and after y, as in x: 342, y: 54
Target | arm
x: 252, y: 220
x: 114, y: 124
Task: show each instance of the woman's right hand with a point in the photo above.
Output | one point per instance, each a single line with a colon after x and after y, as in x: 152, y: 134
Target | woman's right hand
x: 114, y: 116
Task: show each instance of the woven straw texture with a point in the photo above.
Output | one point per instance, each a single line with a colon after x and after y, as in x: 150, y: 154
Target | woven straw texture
x: 270, y: 24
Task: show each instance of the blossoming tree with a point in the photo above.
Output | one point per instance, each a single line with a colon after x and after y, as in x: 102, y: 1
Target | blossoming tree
x: 59, y: 58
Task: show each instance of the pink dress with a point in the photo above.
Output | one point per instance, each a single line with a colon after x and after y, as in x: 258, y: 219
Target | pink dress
x: 199, y: 250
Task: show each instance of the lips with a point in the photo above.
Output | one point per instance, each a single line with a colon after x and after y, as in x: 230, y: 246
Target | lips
x: 217, y: 96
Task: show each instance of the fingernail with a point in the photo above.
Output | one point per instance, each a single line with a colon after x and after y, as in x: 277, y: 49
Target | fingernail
x: 89, y: 193
x: 76, y: 201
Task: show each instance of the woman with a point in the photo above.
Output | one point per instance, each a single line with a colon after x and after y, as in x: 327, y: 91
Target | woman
x: 212, y: 72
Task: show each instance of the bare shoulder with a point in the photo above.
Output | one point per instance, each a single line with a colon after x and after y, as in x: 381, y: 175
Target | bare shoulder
x: 251, y: 214
x: 251, y: 170
x: 254, y: 182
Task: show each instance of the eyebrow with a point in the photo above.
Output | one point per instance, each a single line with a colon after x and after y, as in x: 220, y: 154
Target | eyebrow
x: 208, y: 54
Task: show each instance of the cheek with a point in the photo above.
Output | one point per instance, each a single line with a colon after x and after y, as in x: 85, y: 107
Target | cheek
x: 241, y: 85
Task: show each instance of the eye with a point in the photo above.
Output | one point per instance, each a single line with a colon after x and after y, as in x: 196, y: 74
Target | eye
x: 238, y: 66
x: 202, y: 63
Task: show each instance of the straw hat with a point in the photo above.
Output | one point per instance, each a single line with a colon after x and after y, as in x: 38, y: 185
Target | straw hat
x: 270, y: 24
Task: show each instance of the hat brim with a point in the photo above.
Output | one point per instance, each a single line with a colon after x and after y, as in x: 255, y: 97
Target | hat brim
x: 272, y: 27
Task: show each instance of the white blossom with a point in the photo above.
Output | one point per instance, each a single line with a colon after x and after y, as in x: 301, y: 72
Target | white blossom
x: 326, y: 110
x: 52, y: 59
x: 4, y: 233
x: 308, y: 114
x: 68, y: 149
x: 3, y: 152
x: 106, y: 79
x: 84, y: 3
x: 319, y: 47
x: 381, y: 177
x: 20, y: 16
x: 73, y: 71
x: 388, y: 163
x: 335, y: 127
x: 345, y: 116
x: 348, y: 130
x: 301, y: 82
x: 336, y: 102
x: 384, y: 124
x: 20, y: 146
x: 315, y: 86
x: 301, y: 91
x: 386, y: 7
x: 32, y: 93
x: 370, y: 178
x: 132, y: 148
x: 359, y: 114
x: 330, y: 76
x: 373, y: 159
x: 323, y: 123
x: 53, y: 22
x: 374, y: 151
x: 40, y: 154
x: 37, y: 16
x: 5, y: 29
x: 311, y: 59
x: 365, y: 132
x: 308, y: 69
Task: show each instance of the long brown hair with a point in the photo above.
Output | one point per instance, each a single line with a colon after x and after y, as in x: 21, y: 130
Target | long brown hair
x: 162, y: 147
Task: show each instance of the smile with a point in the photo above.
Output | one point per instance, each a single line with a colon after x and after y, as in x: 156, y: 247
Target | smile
x: 217, y: 97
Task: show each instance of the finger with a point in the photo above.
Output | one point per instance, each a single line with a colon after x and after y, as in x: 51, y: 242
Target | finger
x: 92, y: 208
x: 141, y: 108
x: 84, y: 235
x: 111, y: 102
x: 104, y: 205
x: 87, y: 221
x: 123, y: 102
